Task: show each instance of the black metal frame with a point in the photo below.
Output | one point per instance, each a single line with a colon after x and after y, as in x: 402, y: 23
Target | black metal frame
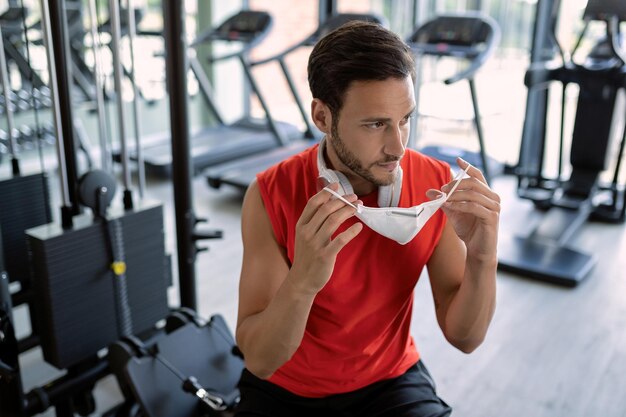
x: 570, y: 202
x: 72, y: 392
x: 61, y: 46
x: 176, y: 76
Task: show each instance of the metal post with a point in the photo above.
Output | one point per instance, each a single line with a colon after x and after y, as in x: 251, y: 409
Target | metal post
x: 116, y: 31
x: 327, y: 8
x: 98, y: 76
x: 282, y: 140
x: 6, y: 87
x: 479, y: 131
x: 60, y: 45
x: 176, y: 76
x: 132, y: 29
x: 67, y: 210
x: 294, y: 91
x: 530, y: 163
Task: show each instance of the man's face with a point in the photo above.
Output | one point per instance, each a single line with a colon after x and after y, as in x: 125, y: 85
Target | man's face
x: 370, y: 136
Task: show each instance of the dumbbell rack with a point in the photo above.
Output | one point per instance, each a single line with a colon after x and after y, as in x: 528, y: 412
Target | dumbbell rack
x: 23, y: 102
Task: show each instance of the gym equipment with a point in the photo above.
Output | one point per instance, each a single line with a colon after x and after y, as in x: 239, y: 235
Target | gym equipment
x: 187, y: 233
x: 103, y: 132
x: 116, y: 33
x: 241, y: 172
x: 73, y: 283
x: 25, y: 202
x: 76, y: 283
x: 11, y: 394
x: 73, y: 264
x: 224, y: 142
x: 158, y: 373
x: 141, y: 169
x: 472, y: 38
x: 14, y: 401
x: 569, y: 202
x: 168, y: 380
x: 12, y: 31
x: 126, y: 21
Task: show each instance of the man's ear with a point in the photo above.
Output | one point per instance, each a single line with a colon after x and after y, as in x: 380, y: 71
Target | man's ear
x: 320, y: 113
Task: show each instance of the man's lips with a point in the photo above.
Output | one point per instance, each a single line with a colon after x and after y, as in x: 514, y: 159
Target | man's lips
x: 389, y: 166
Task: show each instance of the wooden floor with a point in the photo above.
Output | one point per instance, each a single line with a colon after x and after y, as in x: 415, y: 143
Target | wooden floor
x: 550, y: 352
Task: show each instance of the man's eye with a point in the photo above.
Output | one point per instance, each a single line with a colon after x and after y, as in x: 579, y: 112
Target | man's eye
x: 406, y: 119
x: 375, y: 125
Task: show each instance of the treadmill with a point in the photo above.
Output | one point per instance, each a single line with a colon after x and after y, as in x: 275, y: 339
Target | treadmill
x: 223, y: 142
x: 471, y: 37
x: 569, y: 202
x: 242, y: 172
x: 12, y: 31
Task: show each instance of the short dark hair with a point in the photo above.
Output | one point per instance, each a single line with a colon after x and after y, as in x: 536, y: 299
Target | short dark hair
x: 356, y: 51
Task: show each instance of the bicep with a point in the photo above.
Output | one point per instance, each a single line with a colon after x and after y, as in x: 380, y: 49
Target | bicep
x: 446, y: 268
x: 265, y: 264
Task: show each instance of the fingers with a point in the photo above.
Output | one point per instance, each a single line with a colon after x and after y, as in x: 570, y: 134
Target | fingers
x: 476, y: 209
x: 322, y: 216
x: 344, y: 238
x: 465, y: 197
x: 472, y: 172
x: 332, y: 222
x: 315, y: 203
x: 328, y: 209
x: 433, y: 194
x: 474, y: 184
x: 472, y: 195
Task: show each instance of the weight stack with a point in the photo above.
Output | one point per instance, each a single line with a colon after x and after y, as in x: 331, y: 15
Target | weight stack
x: 24, y: 204
x: 74, y: 285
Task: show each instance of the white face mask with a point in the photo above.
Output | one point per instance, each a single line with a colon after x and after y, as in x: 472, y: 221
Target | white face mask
x: 400, y: 224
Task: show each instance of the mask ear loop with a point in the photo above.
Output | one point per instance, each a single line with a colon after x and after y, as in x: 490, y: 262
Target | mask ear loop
x: 458, y: 179
x: 339, y: 196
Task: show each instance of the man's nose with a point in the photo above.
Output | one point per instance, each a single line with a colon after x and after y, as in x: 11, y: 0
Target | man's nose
x: 395, y: 144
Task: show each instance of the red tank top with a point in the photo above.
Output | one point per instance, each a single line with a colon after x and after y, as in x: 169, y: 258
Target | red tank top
x: 358, y: 331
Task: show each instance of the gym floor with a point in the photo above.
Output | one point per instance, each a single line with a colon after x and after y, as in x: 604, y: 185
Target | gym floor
x: 551, y: 351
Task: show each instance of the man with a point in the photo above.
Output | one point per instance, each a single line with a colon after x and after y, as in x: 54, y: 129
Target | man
x: 325, y: 302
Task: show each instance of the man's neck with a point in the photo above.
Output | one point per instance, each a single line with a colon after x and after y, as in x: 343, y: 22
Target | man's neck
x: 360, y: 185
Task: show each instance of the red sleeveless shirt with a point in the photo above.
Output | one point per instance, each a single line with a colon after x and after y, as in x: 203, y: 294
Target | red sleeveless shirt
x: 358, y: 330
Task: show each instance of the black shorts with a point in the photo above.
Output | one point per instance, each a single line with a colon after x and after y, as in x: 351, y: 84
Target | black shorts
x: 411, y: 394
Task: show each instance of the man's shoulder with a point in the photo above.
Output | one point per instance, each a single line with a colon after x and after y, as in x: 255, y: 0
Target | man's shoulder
x: 292, y: 167
x: 290, y: 174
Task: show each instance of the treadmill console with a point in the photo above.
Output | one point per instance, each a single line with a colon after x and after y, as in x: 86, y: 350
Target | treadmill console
x: 605, y: 9
x: 462, y: 31
x: 338, y: 20
x: 244, y: 26
x: 461, y: 36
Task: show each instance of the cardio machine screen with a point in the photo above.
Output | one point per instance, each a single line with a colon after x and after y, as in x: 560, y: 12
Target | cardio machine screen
x: 603, y: 9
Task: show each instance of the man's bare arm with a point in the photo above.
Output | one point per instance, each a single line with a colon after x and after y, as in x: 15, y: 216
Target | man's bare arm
x: 274, y: 298
x: 463, y: 266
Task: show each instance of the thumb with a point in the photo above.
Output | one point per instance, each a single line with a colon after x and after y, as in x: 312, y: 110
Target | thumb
x: 433, y: 194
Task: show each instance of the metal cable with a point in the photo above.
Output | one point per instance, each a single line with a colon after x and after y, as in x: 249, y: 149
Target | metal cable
x: 124, y: 319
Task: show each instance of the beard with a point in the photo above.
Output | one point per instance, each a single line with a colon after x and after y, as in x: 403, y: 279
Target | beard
x: 351, y: 161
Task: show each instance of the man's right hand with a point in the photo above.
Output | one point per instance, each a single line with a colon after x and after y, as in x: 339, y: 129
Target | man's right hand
x: 315, y: 250
x: 276, y: 294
